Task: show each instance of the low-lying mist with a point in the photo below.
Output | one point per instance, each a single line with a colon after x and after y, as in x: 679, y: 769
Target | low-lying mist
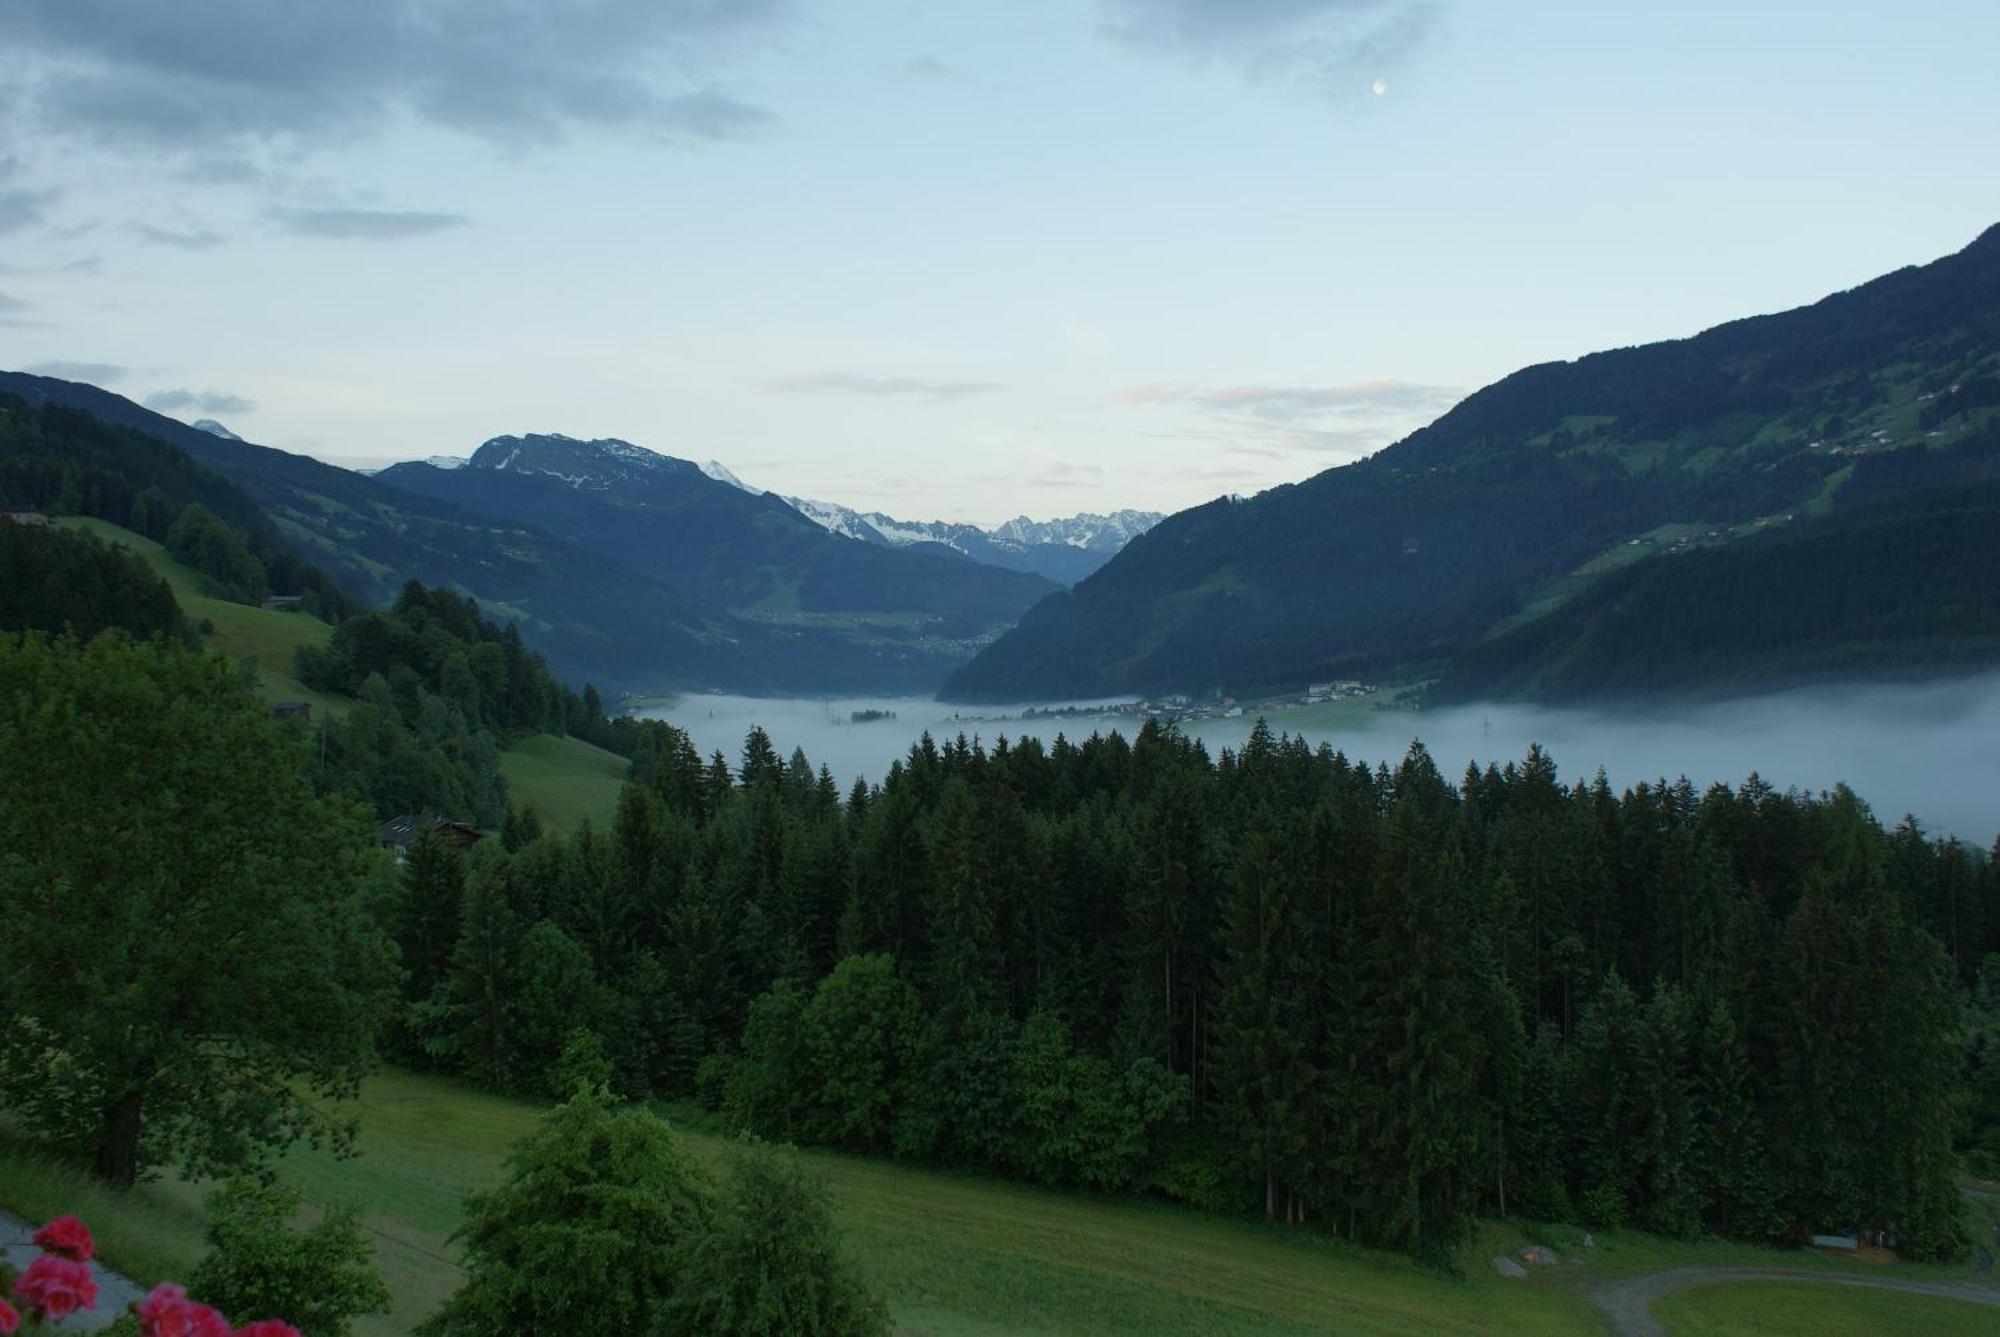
x: 1931, y: 749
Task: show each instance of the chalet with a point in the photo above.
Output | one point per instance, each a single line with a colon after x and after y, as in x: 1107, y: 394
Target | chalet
x: 284, y: 603
x: 397, y: 833
x: 292, y: 710
x: 22, y: 515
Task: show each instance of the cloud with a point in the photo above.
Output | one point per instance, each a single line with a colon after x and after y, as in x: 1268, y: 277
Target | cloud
x: 97, y: 373
x: 711, y: 115
x: 883, y: 387
x: 1264, y: 420
x: 186, y: 239
x: 20, y: 207
x: 83, y: 264
x: 1288, y: 403
x: 202, y: 401
x: 208, y: 76
x: 1292, y: 403
x: 1063, y: 474
x: 1218, y: 475
x: 1322, y: 46
x: 9, y: 305
x: 363, y: 224
x: 928, y: 70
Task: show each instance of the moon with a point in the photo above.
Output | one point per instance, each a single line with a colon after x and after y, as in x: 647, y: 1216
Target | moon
x: 1379, y: 87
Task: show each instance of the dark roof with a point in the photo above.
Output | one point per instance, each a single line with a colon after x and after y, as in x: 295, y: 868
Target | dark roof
x: 400, y: 831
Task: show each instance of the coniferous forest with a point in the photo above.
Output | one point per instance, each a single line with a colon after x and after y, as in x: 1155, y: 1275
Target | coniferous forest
x: 1372, y: 1001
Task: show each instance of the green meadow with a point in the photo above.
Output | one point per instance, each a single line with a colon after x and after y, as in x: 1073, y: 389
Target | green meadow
x: 565, y: 779
x: 968, y: 1254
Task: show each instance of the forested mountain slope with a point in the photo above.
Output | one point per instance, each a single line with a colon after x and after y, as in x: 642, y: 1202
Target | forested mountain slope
x: 1419, y: 550
x: 591, y: 617
x: 747, y: 552
x: 1906, y: 584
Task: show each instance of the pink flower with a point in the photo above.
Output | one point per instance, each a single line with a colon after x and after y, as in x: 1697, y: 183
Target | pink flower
x: 268, y: 1327
x: 66, y: 1236
x: 167, y: 1312
x: 56, y: 1286
x: 10, y: 1319
x: 161, y: 1298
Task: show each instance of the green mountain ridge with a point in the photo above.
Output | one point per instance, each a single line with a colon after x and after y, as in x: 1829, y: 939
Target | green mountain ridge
x: 591, y: 618
x: 748, y: 553
x: 1425, y: 548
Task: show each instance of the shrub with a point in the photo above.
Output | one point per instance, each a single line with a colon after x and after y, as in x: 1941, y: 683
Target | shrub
x: 259, y: 1264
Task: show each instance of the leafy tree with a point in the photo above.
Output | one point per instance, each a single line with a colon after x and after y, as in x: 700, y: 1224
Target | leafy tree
x: 259, y: 1264
x: 771, y: 1262
x: 54, y: 580
x: 200, y: 539
x: 183, y: 991
x: 587, y: 1233
x: 559, y: 995
x: 860, y: 1033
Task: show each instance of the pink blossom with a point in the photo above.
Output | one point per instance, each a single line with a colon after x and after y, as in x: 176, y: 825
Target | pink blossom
x: 158, y: 1301
x: 56, y: 1286
x: 268, y: 1327
x: 66, y: 1236
x: 167, y: 1312
x: 10, y: 1319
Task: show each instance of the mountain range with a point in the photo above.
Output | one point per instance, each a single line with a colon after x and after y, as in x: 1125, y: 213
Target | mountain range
x: 1528, y: 493
x: 1064, y: 550
x: 592, y: 618
x: 1781, y: 498
x: 747, y: 553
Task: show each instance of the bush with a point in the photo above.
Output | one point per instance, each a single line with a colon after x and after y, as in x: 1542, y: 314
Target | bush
x: 258, y: 1264
x: 1604, y: 1207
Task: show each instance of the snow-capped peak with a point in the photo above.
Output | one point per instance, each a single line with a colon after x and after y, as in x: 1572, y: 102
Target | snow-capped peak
x: 719, y: 471
x: 214, y: 428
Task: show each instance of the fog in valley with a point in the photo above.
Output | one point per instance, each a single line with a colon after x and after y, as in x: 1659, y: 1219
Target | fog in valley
x: 1932, y: 749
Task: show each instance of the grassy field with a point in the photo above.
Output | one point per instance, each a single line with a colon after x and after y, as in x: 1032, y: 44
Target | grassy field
x: 240, y: 631
x: 1800, y: 1309
x: 965, y: 1254
x: 954, y: 1254
x: 566, y: 779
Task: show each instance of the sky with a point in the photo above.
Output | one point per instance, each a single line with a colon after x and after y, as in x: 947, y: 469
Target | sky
x: 946, y: 260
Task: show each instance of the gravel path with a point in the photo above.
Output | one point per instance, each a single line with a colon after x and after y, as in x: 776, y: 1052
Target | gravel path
x: 1630, y: 1302
x: 114, y: 1292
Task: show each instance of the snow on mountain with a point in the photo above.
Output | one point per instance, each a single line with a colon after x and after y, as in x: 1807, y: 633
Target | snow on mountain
x: 1065, y: 550
x: 719, y: 471
x: 214, y: 428
x: 1021, y: 543
x: 1098, y: 533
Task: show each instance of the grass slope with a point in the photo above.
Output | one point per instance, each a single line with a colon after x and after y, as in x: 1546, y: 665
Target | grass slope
x: 240, y: 631
x: 953, y: 1254
x: 1800, y: 1309
x: 564, y: 779
x: 960, y: 1254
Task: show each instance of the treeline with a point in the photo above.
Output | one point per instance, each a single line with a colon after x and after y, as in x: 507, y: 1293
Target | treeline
x: 66, y: 462
x: 438, y: 689
x: 57, y: 579
x: 1365, y: 999
x: 437, y: 640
